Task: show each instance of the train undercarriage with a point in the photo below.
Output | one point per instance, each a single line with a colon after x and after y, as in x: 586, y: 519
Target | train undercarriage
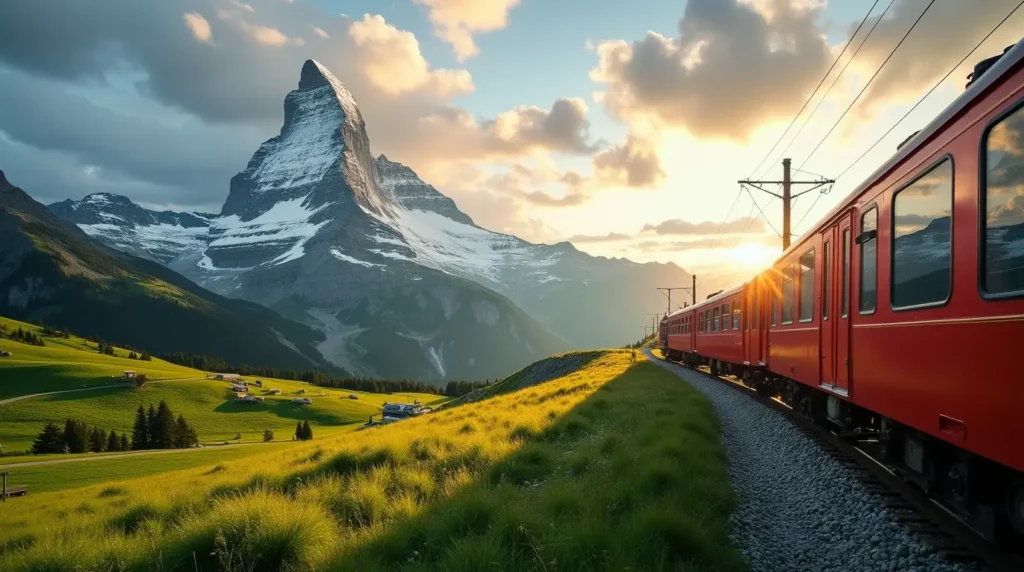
x: 985, y: 494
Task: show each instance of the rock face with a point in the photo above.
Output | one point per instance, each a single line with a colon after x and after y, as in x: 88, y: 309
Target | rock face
x: 384, y: 264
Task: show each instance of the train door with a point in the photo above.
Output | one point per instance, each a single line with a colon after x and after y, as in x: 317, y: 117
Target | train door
x: 827, y: 345
x: 764, y: 301
x: 844, y: 283
x: 751, y: 323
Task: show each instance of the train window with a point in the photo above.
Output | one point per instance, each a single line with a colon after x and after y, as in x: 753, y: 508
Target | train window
x: 707, y: 321
x: 1003, y: 235
x: 868, y: 241
x: 825, y: 282
x: 788, y: 274
x: 725, y: 317
x: 845, y: 286
x: 922, y: 259
x: 736, y: 315
x: 806, y: 309
x: 714, y: 320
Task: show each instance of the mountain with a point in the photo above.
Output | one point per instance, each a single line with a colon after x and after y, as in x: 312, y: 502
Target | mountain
x: 359, y: 246
x: 53, y: 271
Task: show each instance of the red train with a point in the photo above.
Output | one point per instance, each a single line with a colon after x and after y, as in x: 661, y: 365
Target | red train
x: 902, y: 310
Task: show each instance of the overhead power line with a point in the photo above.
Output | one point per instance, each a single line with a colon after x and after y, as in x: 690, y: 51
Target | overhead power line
x: 934, y: 87
x: 809, y: 98
x: 835, y: 80
x: 865, y: 88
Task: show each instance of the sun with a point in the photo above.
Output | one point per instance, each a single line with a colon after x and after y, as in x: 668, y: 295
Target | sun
x: 754, y: 255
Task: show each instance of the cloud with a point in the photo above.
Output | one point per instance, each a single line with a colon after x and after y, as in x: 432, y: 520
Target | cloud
x: 635, y: 163
x: 264, y: 35
x: 610, y: 237
x: 455, y: 21
x: 392, y: 61
x: 945, y: 34
x: 198, y: 25
x: 321, y: 32
x: 681, y: 227
x: 733, y: 66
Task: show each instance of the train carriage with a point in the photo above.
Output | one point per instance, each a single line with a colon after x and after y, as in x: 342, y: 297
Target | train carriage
x: 901, y: 311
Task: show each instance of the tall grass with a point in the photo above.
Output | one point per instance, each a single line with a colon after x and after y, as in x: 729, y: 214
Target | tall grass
x: 584, y: 472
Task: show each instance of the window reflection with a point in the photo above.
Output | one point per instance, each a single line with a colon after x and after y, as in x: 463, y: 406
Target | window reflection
x: 1004, y: 202
x: 922, y: 257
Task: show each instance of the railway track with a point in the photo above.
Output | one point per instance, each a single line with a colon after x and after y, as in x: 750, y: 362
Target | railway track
x: 936, y: 526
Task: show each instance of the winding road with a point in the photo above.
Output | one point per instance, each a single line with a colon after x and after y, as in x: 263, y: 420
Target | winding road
x: 31, y: 395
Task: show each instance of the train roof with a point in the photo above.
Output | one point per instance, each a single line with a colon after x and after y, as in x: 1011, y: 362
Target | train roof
x: 1007, y: 62
x: 712, y: 300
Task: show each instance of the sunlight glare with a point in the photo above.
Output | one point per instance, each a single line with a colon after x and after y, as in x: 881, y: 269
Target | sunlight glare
x: 754, y: 256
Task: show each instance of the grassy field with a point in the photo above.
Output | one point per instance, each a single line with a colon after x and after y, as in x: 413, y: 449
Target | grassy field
x: 69, y: 364
x: 616, y: 466
x: 102, y: 469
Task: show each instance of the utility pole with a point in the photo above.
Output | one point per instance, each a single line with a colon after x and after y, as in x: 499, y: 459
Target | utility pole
x: 787, y: 195
x: 691, y: 289
x: 654, y: 323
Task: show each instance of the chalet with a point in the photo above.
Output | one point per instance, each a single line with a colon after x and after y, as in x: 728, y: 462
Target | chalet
x: 239, y: 388
x: 353, y: 396
x: 128, y: 374
x: 302, y: 401
x: 229, y: 377
x: 404, y: 410
x: 275, y: 391
x: 5, y: 353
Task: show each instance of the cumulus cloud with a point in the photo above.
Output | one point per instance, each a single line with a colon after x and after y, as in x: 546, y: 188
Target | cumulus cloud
x: 264, y: 35
x: 681, y: 227
x: 635, y: 163
x: 455, y: 21
x: 734, y: 65
x: 198, y: 25
x: 321, y: 32
x: 392, y: 61
x: 947, y: 32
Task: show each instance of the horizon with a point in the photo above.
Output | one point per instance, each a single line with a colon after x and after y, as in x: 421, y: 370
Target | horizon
x: 597, y: 144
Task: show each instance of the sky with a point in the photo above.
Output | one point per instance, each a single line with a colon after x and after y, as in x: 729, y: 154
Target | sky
x: 621, y: 127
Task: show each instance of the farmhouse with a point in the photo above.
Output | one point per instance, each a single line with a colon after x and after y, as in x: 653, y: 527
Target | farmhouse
x: 229, y: 377
x: 353, y: 396
x: 5, y: 353
x: 275, y: 391
x: 128, y: 374
x: 302, y: 400
x: 239, y: 388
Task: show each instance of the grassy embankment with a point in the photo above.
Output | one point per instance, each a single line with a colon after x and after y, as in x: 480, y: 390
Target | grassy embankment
x: 207, y: 404
x: 615, y: 466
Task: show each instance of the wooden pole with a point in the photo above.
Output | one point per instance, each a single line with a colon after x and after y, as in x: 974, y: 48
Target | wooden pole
x: 5, y: 486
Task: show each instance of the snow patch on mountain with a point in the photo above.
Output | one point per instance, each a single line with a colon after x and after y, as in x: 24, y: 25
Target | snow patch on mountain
x: 286, y: 223
x: 346, y: 258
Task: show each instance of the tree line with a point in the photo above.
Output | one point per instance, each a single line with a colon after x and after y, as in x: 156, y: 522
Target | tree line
x: 77, y: 437
x: 26, y: 337
x: 156, y: 428
x: 321, y: 379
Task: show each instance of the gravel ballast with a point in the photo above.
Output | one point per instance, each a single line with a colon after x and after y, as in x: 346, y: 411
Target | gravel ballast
x: 798, y: 508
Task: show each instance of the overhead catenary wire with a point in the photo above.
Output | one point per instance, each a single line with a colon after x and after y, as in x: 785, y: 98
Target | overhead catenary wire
x: 835, y: 80
x: 929, y: 92
x: 811, y: 96
x: 865, y: 88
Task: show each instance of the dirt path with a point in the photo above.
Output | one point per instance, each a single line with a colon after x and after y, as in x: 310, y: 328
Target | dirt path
x: 21, y: 397
x: 121, y: 456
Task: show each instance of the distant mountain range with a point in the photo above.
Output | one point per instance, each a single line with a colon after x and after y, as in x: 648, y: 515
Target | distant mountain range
x: 397, y: 280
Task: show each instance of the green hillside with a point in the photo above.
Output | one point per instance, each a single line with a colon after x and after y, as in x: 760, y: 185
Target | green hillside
x: 70, y: 364
x: 613, y: 466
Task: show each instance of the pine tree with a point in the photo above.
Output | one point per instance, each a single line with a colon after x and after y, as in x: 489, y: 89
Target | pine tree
x: 307, y: 431
x: 164, y: 434
x: 97, y: 440
x: 76, y: 435
x: 181, y: 433
x: 152, y: 441
x: 125, y: 445
x: 298, y: 431
x: 113, y: 443
x: 140, y: 431
x: 50, y: 440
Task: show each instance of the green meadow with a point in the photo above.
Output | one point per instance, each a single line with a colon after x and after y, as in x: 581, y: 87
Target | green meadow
x: 613, y: 466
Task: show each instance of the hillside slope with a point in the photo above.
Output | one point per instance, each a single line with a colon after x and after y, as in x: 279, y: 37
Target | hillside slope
x: 613, y: 466
x: 53, y: 271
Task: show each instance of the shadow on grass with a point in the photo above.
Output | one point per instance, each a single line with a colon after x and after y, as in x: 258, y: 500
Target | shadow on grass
x: 614, y: 484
